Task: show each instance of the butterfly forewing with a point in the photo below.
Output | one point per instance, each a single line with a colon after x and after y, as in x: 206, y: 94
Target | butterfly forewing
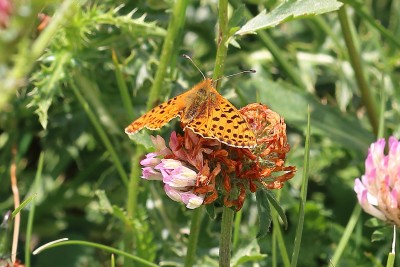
x: 160, y: 115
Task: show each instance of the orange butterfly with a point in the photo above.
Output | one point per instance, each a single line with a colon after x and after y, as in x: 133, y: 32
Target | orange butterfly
x: 204, y: 111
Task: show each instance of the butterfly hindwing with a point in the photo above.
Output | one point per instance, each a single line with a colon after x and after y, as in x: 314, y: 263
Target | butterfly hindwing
x: 222, y: 121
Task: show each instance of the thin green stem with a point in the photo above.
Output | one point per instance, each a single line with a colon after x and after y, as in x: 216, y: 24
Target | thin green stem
x: 236, y: 229
x: 280, y: 240
x: 197, y: 216
x: 274, y: 248
x: 98, y: 246
x: 226, y: 236
x: 223, y: 36
x: 303, y: 194
x: 112, y: 260
x: 134, y: 182
x: 390, y: 260
x: 97, y: 125
x: 131, y: 201
x: 381, y: 128
x: 222, y: 50
x: 31, y: 216
x: 355, y: 61
x: 170, y: 48
x: 123, y: 89
x: 277, y: 235
x: 355, y: 215
x: 392, y: 254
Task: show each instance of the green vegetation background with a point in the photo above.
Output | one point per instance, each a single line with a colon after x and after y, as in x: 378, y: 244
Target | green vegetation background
x: 66, y: 97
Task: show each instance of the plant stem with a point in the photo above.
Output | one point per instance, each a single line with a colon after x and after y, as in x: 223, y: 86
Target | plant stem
x: 134, y: 182
x: 303, y: 195
x: 169, y: 49
x: 197, y: 215
x: 278, y: 238
x: 137, y: 260
x: 222, y: 38
x: 355, y: 215
x: 31, y: 216
x: 227, y: 213
x: 226, y: 235
x: 122, y: 87
x: 355, y: 61
x: 236, y: 228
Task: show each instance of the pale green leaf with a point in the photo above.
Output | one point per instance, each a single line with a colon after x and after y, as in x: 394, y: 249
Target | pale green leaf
x: 264, y: 213
x: 287, y: 11
x: 249, y: 253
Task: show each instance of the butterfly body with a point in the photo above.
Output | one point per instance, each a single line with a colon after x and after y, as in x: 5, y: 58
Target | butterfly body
x: 203, y: 110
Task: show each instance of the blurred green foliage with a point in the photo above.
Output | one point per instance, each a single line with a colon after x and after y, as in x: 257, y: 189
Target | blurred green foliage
x: 83, y: 190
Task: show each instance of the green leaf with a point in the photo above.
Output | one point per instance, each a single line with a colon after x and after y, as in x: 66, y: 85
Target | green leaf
x: 142, y: 138
x: 272, y: 199
x: 47, y: 84
x: 250, y: 253
x: 287, y: 11
x: 374, y: 222
x: 384, y: 233
x: 264, y: 213
x: 378, y: 235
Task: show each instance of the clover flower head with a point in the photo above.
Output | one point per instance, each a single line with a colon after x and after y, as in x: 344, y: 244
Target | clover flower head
x: 378, y: 189
x: 197, y: 171
x: 167, y: 166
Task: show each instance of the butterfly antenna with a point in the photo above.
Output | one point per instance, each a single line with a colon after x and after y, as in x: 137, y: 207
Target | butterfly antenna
x: 187, y: 57
x: 241, y: 72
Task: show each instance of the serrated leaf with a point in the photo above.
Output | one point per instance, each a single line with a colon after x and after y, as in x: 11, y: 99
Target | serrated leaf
x: 277, y: 206
x: 47, y: 84
x: 264, y: 213
x: 287, y: 11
